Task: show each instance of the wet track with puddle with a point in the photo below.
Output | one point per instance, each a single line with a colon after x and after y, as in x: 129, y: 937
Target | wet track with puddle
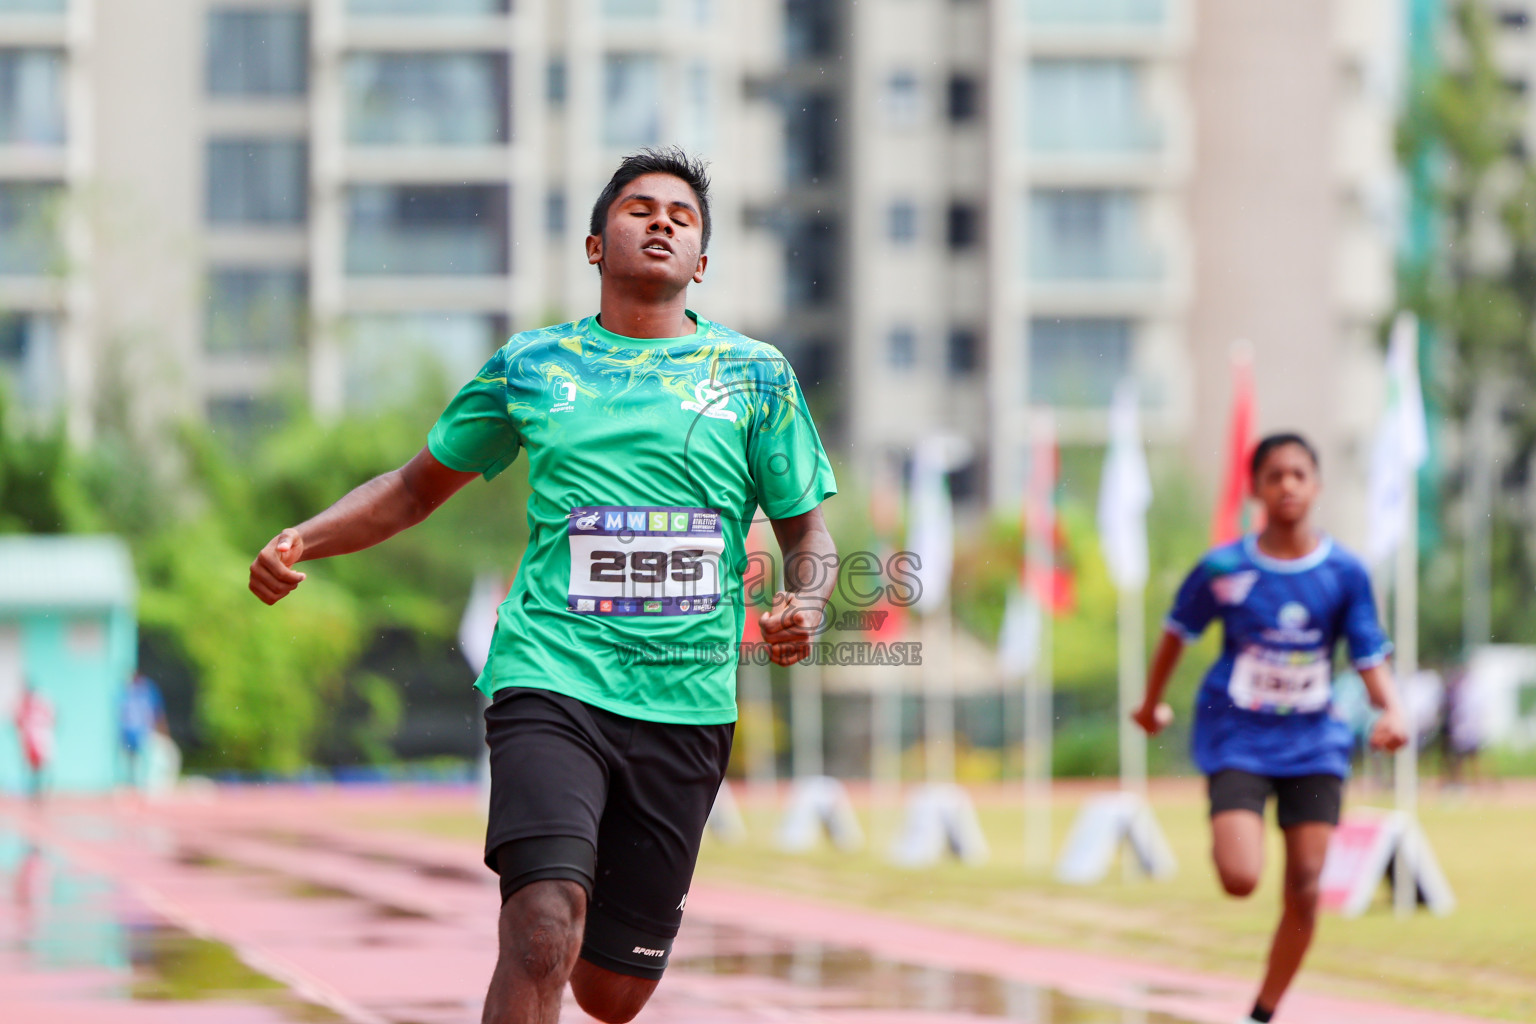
x: 269, y: 913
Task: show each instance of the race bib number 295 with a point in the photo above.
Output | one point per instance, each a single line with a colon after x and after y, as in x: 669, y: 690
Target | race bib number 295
x: 644, y: 560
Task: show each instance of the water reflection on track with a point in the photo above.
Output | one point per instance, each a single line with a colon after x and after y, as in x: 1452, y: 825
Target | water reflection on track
x: 98, y: 942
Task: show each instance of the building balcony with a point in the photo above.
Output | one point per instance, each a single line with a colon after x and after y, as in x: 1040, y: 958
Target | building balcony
x: 33, y: 162
x: 427, y: 164
x: 427, y: 33
x: 32, y: 293
x: 1152, y: 28
x: 487, y: 293
x: 33, y: 23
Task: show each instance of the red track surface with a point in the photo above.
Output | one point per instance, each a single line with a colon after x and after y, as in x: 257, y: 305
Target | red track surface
x: 390, y: 929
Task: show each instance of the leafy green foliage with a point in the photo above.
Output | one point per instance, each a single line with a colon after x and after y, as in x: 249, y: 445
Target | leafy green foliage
x: 1475, y: 287
x: 273, y: 687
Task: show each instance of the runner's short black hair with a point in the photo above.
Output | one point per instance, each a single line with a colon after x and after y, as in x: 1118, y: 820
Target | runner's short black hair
x: 1263, y: 449
x: 667, y: 160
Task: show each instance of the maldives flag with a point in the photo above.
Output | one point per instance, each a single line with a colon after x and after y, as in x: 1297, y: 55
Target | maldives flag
x: 1227, y: 522
x: 1053, y: 584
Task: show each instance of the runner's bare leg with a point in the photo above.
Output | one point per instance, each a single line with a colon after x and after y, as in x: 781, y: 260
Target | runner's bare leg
x: 1306, y: 845
x: 539, y: 938
x: 1237, y: 847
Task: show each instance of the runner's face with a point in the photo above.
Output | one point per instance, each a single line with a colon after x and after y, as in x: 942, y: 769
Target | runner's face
x: 1287, y: 484
x: 654, y: 235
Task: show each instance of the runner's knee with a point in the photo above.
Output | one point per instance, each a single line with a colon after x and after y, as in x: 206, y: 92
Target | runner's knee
x: 1301, y: 891
x: 1238, y: 881
x: 541, y: 927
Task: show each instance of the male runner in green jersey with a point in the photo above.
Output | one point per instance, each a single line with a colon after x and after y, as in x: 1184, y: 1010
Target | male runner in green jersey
x: 653, y: 437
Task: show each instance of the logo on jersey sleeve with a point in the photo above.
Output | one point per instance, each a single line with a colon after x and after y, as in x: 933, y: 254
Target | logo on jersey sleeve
x: 709, y: 399
x: 1234, y: 587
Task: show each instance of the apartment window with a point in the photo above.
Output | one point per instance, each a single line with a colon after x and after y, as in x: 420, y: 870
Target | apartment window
x: 1087, y: 105
x: 697, y: 122
x: 29, y: 237
x: 258, y: 52
x: 963, y: 226
x: 444, y: 7
x: 427, y: 99
x: 631, y: 8
x: 964, y: 350
x: 258, y: 181
x: 901, y: 348
x: 815, y: 362
x: 810, y: 137
x: 810, y: 261
x: 631, y: 99
x: 1087, y: 234
x: 1092, y: 13
x: 964, y: 96
x: 555, y: 212
x: 256, y: 309
x: 31, y: 97
x: 388, y: 356
x: 1077, y: 361
x: 447, y: 230
x: 901, y: 222
x: 902, y: 100
x: 555, y: 82
x: 29, y: 359
x: 810, y: 28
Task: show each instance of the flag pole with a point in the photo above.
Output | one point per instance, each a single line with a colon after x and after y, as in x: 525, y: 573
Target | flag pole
x: 1406, y: 767
x: 1133, y: 742
x: 1406, y: 627
x: 1038, y: 682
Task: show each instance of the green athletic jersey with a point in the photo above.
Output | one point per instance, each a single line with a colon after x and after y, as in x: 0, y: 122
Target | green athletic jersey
x: 648, y: 459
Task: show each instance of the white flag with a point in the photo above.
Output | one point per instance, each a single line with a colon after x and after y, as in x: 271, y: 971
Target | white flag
x: 931, y: 527
x: 1402, y: 442
x: 1018, y: 642
x: 1125, y: 492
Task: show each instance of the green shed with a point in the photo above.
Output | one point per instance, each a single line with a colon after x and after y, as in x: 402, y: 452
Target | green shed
x: 67, y: 626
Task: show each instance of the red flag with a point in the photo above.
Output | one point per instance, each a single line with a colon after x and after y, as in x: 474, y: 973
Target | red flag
x: 1227, y: 522
x: 1051, y: 582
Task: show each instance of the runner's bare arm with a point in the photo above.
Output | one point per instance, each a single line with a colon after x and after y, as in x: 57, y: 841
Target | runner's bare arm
x: 367, y: 515
x: 1153, y: 715
x: 1391, y: 729
x: 810, y: 574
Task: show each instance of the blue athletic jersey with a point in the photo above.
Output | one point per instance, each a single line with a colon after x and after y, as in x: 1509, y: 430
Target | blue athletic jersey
x: 1266, y: 705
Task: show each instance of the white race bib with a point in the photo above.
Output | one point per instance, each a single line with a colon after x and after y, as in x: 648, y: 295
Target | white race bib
x: 644, y: 560
x: 1281, y: 682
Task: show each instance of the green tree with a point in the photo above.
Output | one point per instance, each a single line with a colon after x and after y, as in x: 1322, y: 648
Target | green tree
x: 1461, y: 145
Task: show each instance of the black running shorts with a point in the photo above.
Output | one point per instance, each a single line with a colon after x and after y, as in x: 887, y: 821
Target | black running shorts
x: 615, y: 804
x: 1298, y: 799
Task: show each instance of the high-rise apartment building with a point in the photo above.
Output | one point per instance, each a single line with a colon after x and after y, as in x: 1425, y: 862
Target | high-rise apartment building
x: 226, y: 203
x: 1035, y: 199
x: 947, y: 212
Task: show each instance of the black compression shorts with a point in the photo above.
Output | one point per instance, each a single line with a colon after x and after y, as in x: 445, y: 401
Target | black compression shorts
x: 615, y: 804
x: 1298, y: 799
